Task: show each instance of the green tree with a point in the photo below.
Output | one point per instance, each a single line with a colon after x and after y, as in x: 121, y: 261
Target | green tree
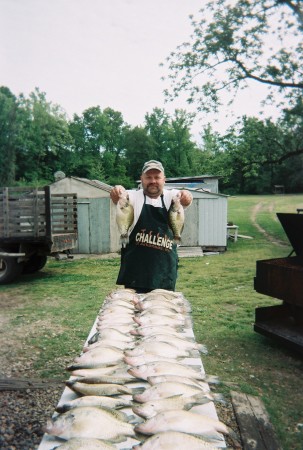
x: 44, y: 139
x: 138, y: 149
x: 243, y: 43
x: 9, y: 125
x: 87, y: 133
x: 232, y: 46
x: 99, y: 144
x: 181, y: 147
x: 172, y: 141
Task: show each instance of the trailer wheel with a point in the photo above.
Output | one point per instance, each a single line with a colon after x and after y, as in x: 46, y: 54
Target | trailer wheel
x: 35, y: 263
x: 9, y: 269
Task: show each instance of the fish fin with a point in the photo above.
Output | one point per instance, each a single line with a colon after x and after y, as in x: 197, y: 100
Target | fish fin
x: 138, y: 390
x: 118, y: 439
x: 212, y: 436
x: 94, y: 338
x: 219, y: 398
x: 134, y: 420
x: 201, y: 398
x: 140, y: 436
x: 192, y: 353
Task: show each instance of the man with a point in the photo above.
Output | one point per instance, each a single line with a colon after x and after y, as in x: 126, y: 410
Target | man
x: 149, y: 261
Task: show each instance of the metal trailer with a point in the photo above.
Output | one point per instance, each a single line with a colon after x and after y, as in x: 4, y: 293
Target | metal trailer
x: 34, y: 224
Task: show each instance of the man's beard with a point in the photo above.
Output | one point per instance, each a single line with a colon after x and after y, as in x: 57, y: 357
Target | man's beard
x: 153, y: 190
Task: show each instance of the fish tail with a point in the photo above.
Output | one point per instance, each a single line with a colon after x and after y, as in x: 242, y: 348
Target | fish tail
x: 212, y: 379
x: 124, y: 240
x: 137, y: 390
x: 219, y: 398
x: 202, y: 349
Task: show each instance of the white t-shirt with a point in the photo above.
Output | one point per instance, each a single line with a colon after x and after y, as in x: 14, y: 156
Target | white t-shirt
x: 136, y: 199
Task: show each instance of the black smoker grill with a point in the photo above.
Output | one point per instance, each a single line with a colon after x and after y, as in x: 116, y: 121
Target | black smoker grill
x: 282, y: 278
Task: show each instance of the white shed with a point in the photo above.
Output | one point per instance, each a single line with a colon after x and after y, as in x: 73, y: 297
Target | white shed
x: 97, y: 231
x: 205, y: 221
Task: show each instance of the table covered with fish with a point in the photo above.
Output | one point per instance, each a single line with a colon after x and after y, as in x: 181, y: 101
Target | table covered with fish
x: 139, y: 382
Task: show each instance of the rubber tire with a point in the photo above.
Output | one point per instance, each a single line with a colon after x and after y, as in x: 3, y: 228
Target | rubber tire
x: 10, y: 269
x: 35, y: 263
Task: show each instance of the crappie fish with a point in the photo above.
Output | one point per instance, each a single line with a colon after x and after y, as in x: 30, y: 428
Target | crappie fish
x: 152, y: 330
x: 98, y: 388
x: 184, y: 422
x: 115, y: 311
x: 161, y: 378
x: 145, y: 359
x: 165, y: 368
x: 159, y: 348
x: 161, y: 311
x: 166, y: 293
x: 115, y: 334
x: 97, y: 357
x: 95, y: 400
x: 153, y: 407
x: 170, y: 440
x: 86, y: 444
x: 98, y: 371
x: 151, y: 304
x: 181, y: 343
x: 176, y: 218
x: 161, y: 320
x: 123, y: 329
x: 107, y: 379
x: 168, y: 389
x: 118, y: 303
x: 125, y: 217
x: 122, y: 345
x: 123, y: 293
x: 91, y: 422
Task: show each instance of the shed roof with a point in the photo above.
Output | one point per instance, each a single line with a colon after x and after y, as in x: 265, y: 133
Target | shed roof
x: 191, y: 179
x: 95, y: 183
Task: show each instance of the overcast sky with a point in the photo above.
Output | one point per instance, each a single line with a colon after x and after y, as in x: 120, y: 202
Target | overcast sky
x: 85, y: 53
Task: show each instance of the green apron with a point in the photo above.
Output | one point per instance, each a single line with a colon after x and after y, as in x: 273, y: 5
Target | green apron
x: 149, y: 261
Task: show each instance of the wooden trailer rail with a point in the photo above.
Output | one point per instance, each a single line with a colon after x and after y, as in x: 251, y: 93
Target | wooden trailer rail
x: 30, y: 212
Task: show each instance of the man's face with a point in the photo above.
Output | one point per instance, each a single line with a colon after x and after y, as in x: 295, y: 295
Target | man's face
x: 153, y: 182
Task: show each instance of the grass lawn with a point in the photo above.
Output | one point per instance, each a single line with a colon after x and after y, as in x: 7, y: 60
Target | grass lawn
x: 47, y: 316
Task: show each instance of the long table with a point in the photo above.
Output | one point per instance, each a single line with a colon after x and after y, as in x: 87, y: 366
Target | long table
x: 49, y: 442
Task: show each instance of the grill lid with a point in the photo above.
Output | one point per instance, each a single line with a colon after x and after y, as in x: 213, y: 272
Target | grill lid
x: 293, y: 226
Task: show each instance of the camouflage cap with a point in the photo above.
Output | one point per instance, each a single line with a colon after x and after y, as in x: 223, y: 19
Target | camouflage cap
x: 152, y: 164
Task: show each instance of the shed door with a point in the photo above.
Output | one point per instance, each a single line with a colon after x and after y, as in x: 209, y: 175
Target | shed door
x: 93, y: 225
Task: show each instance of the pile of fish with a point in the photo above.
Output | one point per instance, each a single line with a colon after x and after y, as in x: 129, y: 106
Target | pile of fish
x: 138, y: 383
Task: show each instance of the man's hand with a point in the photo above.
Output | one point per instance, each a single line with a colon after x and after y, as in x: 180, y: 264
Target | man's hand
x: 116, y: 192
x: 185, y: 198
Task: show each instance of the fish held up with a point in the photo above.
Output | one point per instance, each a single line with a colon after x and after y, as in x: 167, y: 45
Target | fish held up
x: 125, y: 217
x: 176, y: 218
